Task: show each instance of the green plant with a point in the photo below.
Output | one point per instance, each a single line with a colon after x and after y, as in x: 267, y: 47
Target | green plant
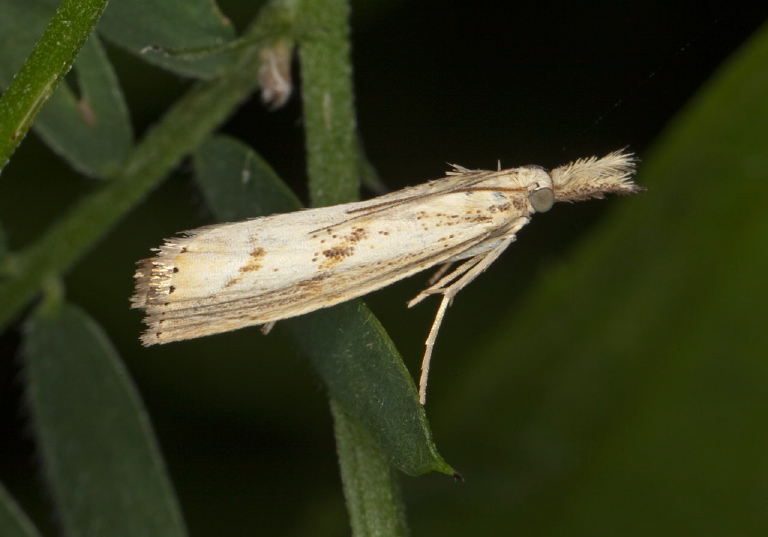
x: 656, y: 320
x: 402, y: 431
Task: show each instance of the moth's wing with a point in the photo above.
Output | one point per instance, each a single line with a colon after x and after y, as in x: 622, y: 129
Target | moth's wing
x: 457, y: 181
x: 224, y: 277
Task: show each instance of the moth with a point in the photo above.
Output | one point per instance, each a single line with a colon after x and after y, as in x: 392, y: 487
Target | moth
x: 227, y: 276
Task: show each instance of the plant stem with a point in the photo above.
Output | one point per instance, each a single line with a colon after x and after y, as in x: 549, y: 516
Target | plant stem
x: 329, y: 112
x: 370, y: 488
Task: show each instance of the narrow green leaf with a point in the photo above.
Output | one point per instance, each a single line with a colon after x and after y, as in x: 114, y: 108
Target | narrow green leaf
x: 92, y: 131
x: 238, y: 183
x: 173, y: 25
x: 347, y: 345
x: 364, y: 372
x: 690, y: 324
x: 13, y: 521
x: 373, y: 497
x: 45, y: 68
x: 99, y: 453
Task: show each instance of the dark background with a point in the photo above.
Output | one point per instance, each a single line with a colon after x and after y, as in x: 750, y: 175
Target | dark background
x: 247, y: 435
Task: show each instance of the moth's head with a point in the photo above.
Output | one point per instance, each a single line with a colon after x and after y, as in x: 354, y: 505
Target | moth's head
x: 540, y: 193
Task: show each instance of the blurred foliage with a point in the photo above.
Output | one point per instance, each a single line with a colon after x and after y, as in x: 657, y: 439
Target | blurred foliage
x: 104, y: 470
x: 607, y: 376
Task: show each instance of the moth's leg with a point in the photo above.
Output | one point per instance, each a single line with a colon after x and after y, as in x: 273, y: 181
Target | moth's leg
x: 439, y: 287
x: 473, y: 268
x: 474, y: 255
x: 439, y: 273
x: 267, y: 327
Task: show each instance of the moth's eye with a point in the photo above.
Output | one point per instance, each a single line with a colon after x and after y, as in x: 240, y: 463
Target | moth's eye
x: 541, y: 199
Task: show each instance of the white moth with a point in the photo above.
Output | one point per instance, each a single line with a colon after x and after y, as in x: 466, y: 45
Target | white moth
x: 227, y: 276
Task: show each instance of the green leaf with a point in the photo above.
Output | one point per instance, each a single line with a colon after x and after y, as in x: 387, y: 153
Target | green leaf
x: 364, y: 372
x: 347, y: 345
x: 172, y: 25
x: 373, y: 497
x: 628, y: 391
x: 238, y: 183
x: 13, y: 521
x: 100, y: 455
x: 44, y: 69
x: 92, y: 131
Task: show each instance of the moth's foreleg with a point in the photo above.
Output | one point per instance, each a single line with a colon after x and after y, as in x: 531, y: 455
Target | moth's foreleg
x: 470, y: 270
x: 439, y: 287
x: 439, y: 273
